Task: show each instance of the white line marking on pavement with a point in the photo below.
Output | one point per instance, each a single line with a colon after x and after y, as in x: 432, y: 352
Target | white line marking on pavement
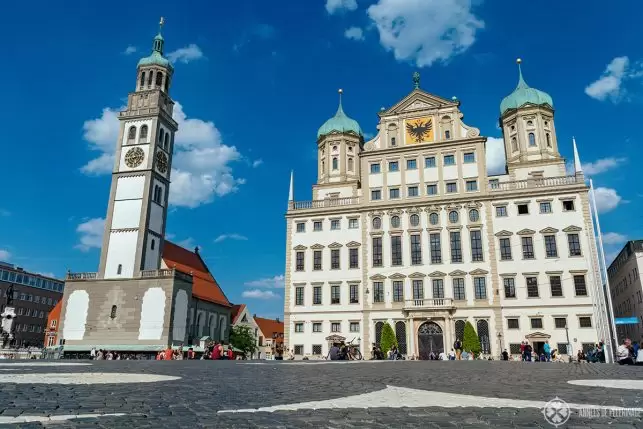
x: 613, y: 384
x: 48, y: 419
x: 84, y: 378
x: 45, y: 364
x: 399, y: 397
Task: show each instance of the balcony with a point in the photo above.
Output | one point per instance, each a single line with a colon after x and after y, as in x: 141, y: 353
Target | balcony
x: 325, y: 203
x: 545, y: 182
x: 429, y: 304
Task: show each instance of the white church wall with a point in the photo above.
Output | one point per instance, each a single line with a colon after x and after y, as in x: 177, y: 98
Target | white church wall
x: 121, y: 251
x: 76, y: 315
x: 152, y: 314
x: 126, y: 214
x: 129, y: 188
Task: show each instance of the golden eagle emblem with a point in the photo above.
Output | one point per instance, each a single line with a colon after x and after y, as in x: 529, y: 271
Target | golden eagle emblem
x: 419, y: 130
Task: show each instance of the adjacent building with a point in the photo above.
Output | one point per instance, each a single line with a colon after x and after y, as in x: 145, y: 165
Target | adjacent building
x: 268, y: 333
x: 627, y: 291
x: 34, y: 296
x: 148, y: 293
x: 408, y: 228
x: 51, y: 329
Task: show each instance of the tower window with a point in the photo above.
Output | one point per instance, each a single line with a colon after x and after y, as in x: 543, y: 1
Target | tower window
x: 350, y: 164
x: 119, y: 270
x: 166, y: 144
x: 335, y: 164
x: 143, y: 135
x: 131, y: 134
x: 447, y: 134
x: 153, y: 244
x: 159, y: 79
x: 548, y: 140
x: 113, y: 313
x: 167, y: 83
x: 161, y: 135
x: 142, y: 84
x: 532, y: 139
x: 393, y: 141
x: 149, y: 79
x: 514, y: 144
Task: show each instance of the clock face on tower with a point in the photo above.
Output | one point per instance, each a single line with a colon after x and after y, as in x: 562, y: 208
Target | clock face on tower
x: 161, y: 161
x: 134, y: 157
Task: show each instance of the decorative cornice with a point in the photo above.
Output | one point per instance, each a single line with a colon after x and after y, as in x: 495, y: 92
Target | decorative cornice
x: 526, y: 231
x: 434, y: 229
x: 553, y: 272
x: 504, y: 233
x: 508, y: 274
x: 572, y: 228
x: 317, y: 246
x: 548, y: 230
x: 416, y: 275
x: 353, y: 244
x: 457, y: 273
x: 378, y: 277
x: 317, y: 283
x: 334, y: 246
x: 577, y: 271
x: 393, y: 212
x: 437, y: 274
x: 478, y: 272
x: 397, y: 276
x: 299, y: 247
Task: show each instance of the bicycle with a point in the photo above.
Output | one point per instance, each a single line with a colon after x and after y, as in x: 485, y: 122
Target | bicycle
x: 353, y: 351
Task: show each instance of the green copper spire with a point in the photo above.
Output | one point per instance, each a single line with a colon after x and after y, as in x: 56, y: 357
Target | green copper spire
x: 156, y: 57
x: 340, y: 123
x: 524, y: 94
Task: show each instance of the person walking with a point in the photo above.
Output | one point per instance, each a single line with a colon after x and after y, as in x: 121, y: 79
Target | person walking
x: 547, y: 351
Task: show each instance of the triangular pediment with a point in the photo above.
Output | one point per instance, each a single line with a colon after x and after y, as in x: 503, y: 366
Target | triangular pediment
x: 437, y: 274
x: 548, y: 230
x: 416, y: 275
x: 537, y: 335
x: 572, y: 228
x: 526, y: 231
x: 457, y: 273
x: 397, y: 276
x: 504, y: 233
x: 378, y: 277
x: 418, y: 100
x: 317, y: 246
x: 299, y: 247
x: 334, y: 246
x: 353, y: 244
x: 478, y: 272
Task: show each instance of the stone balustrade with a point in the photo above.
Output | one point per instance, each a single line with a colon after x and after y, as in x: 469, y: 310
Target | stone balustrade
x: 325, y: 203
x: 545, y: 182
x: 428, y: 304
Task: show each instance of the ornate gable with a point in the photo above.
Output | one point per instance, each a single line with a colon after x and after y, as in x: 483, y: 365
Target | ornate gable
x: 378, y: 277
x: 457, y: 273
x: 572, y: 228
x: 504, y: 233
x: 334, y: 246
x: 353, y: 244
x: 526, y: 231
x: 317, y: 246
x: 416, y: 275
x: 299, y: 247
x: 478, y: 272
x: 397, y: 276
x: 437, y: 274
x: 416, y: 101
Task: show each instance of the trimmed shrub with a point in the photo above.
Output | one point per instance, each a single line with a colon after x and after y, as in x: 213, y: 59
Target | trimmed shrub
x: 388, y: 338
x: 471, y: 342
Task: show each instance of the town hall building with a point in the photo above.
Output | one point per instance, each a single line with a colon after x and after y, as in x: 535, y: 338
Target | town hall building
x: 408, y: 228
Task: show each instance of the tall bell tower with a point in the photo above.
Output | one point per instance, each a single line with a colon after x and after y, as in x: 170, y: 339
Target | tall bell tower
x: 137, y: 209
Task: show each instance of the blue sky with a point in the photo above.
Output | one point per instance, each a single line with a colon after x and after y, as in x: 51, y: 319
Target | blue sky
x: 255, y: 80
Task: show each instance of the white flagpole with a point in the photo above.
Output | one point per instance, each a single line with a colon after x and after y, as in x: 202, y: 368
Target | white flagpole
x: 608, y: 291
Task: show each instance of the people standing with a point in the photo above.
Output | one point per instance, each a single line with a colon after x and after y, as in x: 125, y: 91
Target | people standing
x: 624, y: 353
x: 505, y: 355
x: 547, y: 351
x: 458, y: 348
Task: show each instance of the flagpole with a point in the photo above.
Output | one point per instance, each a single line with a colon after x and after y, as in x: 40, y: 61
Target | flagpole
x: 608, y: 291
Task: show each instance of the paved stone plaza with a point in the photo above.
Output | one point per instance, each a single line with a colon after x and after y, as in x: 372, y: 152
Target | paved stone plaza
x: 189, y: 394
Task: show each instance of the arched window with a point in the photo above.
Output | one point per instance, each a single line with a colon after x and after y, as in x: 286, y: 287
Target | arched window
x: 483, y: 336
x: 167, y: 83
x: 222, y: 327
x: 143, y: 135
x: 161, y: 135
x: 153, y: 244
x: 211, y: 326
x: 378, y: 332
x: 459, y: 330
x: 131, y: 134
x: 514, y: 144
x: 400, y: 335
x: 530, y: 123
x: 119, y: 269
x: 197, y: 327
x: 159, y: 79
x: 350, y: 164
x: 393, y: 141
x: 548, y: 140
x: 447, y: 134
x: 166, y: 144
x: 113, y: 313
x: 532, y: 139
x: 377, y: 223
x: 323, y: 166
x: 149, y: 79
x: 142, y: 84
x: 335, y: 164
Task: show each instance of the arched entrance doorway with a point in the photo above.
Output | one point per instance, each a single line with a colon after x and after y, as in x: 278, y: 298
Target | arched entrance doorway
x: 430, y: 340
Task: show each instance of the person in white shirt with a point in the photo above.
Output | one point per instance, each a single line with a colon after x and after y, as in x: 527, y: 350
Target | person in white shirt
x: 623, y: 354
x: 442, y: 356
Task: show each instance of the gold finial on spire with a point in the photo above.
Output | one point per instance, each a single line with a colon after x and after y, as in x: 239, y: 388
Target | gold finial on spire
x: 161, y: 22
x: 518, y: 60
x: 341, y: 91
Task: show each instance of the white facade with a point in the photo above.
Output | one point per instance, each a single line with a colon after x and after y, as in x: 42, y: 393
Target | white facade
x: 423, y: 237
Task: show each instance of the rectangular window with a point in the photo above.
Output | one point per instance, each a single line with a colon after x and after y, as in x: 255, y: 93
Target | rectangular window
x: 458, y: 289
x: 585, y: 322
x: 562, y: 348
x: 551, y: 251
x: 527, y: 248
x: 394, y: 193
x: 334, y: 259
x: 580, y: 286
x: 436, y: 248
x: 545, y: 207
x: 523, y: 209
x: 334, y: 224
x: 449, y: 160
x: 354, y: 294
x: 416, y: 250
x: 317, y: 295
x: 476, y: 246
x: 317, y: 327
x: 412, y: 191
x: 353, y: 257
x: 574, y: 244
x: 334, y: 294
x: 451, y: 187
x: 429, y: 162
x: 378, y: 292
x: 513, y: 324
x: 536, y: 323
x: 299, y: 295
x: 376, y: 195
x: 568, y: 205
x: 353, y: 224
x: 336, y: 327
x: 393, y: 166
x: 411, y: 164
x: 398, y: 291
x: 418, y: 289
x: 299, y: 265
x: 555, y: 286
x: 456, y: 246
x: 505, y: 249
x: 396, y: 250
x: 353, y: 327
x: 532, y: 287
x: 375, y: 168
x: 480, y: 287
x: 299, y: 327
x: 317, y: 225
x: 377, y: 251
x: 560, y: 322
x: 510, y: 287
x: 469, y: 157
x: 432, y: 189
x: 317, y: 260
x: 472, y: 185
x: 501, y: 211
x: 438, y: 288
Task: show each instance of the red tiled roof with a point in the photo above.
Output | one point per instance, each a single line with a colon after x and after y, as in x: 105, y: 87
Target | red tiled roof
x: 269, y: 326
x: 236, y: 312
x: 204, y: 286
x: 54, y: 314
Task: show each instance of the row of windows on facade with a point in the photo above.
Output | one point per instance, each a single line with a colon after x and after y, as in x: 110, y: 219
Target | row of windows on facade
x: 545, y: 207
x: 335, y: 326
x: 164, y: 138
x: 150, y: 78
x: 531, y: 141
x: 450, y: 187
x: 419, y: 292
x: 435, y: 250
x: 23, y: 296
x: 622, y: 286
x: 28, y: 312
x: 626, y: 307
x: 33, y: 281
x: 429, y: 162
x: 335, y: 164
x: 559, y: 322
x: 28, y: 328
x: 624, y: 256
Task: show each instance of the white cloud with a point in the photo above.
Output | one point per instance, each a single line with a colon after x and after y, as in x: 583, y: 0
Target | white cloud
x: 425, y: 31
x: 495, y: 156
x: 333, y: 6
x: 223, y: 237
x: 611, y: 238
x: 354, y: 33
x: 257, y: 162
x: 259, y: 294
x: 606, y: 199
x: 201, y: 165
x: 129, y: 50
x: 185, y: 55
x: 48, y: 274
x: 609, y: 85
x: 276, y: 282
x: 602, y: 165
x: 91, y: 234
x: 5, y: 255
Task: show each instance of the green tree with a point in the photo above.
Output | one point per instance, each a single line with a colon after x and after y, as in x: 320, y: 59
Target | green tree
x: 471, y: 342
x: 388, y: 338
x: 242, y: 338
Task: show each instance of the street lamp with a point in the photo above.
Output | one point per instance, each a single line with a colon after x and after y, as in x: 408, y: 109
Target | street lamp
x: 570, y: 351
x: 500, y: 345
